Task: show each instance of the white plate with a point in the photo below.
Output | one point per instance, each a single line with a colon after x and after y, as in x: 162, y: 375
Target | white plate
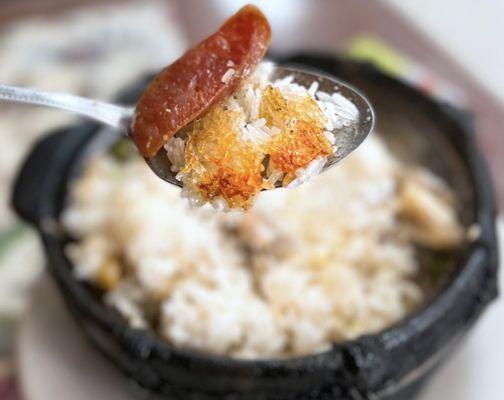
x: 56, y: 362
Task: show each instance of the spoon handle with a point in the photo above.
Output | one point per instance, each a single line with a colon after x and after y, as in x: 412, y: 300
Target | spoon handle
x: 109, y: 114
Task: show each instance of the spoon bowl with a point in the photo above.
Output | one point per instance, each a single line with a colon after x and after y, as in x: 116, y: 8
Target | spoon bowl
x: 347, y: 139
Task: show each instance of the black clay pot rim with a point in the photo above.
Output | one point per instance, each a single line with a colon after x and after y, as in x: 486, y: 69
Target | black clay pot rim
x: 333, y: 358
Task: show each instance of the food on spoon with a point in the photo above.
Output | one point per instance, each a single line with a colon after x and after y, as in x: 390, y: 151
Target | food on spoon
x: 271, y: 132
x: 228, y: 127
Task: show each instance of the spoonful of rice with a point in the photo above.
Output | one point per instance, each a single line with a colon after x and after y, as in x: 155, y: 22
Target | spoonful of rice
x: 223, y: 125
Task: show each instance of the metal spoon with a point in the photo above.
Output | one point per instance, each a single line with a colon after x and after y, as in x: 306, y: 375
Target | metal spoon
x: 119, y: 117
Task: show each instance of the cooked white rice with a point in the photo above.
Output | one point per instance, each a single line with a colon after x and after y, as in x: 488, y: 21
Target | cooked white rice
x: 228, y: 75
x: 328, y: 261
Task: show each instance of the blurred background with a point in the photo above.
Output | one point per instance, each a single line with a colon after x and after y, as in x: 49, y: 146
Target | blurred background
x: 451, y: 49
